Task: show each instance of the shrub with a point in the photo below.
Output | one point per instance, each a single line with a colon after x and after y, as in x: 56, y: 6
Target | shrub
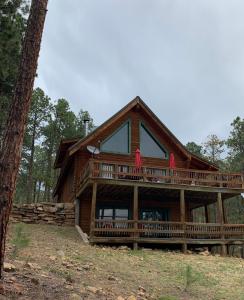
x: 20, y: 240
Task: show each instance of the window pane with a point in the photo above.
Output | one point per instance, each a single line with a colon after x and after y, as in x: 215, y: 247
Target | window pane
x: 118, y: 142
x: 108, y: 212
x: 149, y: 146
x: 155, y: 214
x: 121, y: 213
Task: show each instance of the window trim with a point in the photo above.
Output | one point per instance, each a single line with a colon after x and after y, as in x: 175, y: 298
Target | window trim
x: 142, y: 124
x: 113, y: 206
x: 114, y: 132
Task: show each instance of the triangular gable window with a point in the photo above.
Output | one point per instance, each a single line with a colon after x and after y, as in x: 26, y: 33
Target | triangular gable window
x: 149, y: 146
x: 119, y: 141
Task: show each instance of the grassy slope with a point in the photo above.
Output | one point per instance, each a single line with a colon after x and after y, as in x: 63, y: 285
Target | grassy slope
x: 121, y: 272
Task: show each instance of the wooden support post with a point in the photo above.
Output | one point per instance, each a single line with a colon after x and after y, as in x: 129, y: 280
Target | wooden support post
x: 223, y: 250
x: 220, y: 209
x: 183, y: 216
x: 135, y: 215
x: 182, y: 206
x: 206, y: 213
x: 221, y: 221
x: 93, y: 209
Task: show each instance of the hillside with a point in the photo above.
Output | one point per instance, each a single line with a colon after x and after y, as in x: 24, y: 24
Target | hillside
x: 56, y: 265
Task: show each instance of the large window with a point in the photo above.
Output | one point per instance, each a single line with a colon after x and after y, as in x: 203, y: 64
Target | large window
x: 154, y: 214
x: 112, y: 213
x: 119, y: 141
x: 149, y: 146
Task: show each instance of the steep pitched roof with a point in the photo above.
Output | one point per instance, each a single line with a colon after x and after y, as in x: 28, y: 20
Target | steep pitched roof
x: 140, y: 103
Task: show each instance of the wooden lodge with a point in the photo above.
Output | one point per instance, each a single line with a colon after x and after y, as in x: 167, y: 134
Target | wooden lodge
x: 120, y: 202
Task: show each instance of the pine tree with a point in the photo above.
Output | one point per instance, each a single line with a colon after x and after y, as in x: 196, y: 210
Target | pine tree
x: 14, y: 135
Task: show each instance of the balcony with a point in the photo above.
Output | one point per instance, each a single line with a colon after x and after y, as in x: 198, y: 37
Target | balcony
x: 160, y: 175
x: 166, y: 232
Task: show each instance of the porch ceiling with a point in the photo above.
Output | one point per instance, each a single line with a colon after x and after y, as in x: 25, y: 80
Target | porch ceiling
x: 113, y: 191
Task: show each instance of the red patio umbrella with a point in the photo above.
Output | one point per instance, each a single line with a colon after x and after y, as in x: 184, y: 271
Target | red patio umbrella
x: 138, y: 161
x: 172, y: 161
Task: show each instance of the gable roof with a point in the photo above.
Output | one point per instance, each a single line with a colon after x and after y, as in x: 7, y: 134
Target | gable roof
x: 64, y: 145
x: 137, y: 102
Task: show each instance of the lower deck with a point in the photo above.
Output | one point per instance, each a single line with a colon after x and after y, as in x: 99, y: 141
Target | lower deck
x: 147, y: 214
x: 157, y: 232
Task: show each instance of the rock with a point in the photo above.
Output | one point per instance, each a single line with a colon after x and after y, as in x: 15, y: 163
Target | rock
x: 120, y: 298
x: 53, y: 258
x: 35, y: 280
x: 18, y: 289
x: 61, y: 253
x: 142, y: 289
x: 12, y: 278
x: 7, y: 267
x: 205, y: 253
x: 112, y: 278
x: 123, y: 248
x: 131, y: 298
x: 60, y: 205
x: 69, y: 287
x: 67, y: 265
x: 86, y: 267
x: 49, y: 209
x: 92, y: 289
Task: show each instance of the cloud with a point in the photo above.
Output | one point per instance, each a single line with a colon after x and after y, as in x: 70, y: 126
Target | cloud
x: 185, y: 59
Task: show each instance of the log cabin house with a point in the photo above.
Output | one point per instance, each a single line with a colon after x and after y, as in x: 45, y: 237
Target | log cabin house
x: 119, y: 202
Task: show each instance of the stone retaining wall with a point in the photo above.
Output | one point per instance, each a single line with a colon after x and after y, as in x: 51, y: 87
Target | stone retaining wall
x: 49, y: 213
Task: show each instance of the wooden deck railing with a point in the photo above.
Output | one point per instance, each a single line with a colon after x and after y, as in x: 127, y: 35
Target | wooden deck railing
x: 120, y: 171
x: 168, y: 230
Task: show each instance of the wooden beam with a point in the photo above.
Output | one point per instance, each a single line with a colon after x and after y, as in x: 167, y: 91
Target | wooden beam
x: 183, y: 216
x: 170, y: 186
x: 93, y: 208
x: 221, y: 221
x: 182, y: 206
x: 220, y: 209
x: 135, y: 214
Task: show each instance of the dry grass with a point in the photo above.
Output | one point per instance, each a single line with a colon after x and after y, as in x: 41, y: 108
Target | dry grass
x: 72, y: 266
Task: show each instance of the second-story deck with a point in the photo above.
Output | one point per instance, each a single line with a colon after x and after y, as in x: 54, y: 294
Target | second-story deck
x: 100, y: 169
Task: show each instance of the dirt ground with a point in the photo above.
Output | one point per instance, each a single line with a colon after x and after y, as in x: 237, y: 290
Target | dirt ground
x: 57, y: 265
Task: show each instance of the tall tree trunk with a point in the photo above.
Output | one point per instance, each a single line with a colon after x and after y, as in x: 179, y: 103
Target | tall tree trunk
x: 34, y: 191
x: 13, y: 138
x: 38, y: 191
x: 31, y: 162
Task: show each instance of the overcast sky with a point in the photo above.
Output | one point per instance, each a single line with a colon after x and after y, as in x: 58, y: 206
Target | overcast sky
x: 184, y: 58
